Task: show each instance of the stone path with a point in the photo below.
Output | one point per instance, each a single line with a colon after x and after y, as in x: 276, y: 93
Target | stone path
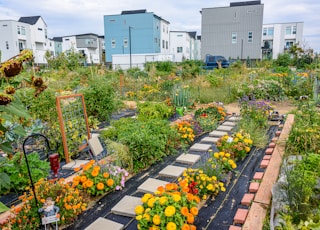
x: 125, y: 207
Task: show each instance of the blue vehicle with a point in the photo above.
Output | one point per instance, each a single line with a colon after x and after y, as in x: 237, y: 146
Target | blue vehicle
x: 212, y: 62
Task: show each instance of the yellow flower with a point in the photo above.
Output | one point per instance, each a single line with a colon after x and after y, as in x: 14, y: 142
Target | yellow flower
x: 139, y: 209
x: 163, y: 200
x: 170, y: 211
x: 146, y: 197
x: 176, y: 197
x: 146, y: 216
x: 139, y: 217
x: 171, y: 226
x: 151, y: 202
x: 223, y: 189
x: 210, y: 187
x: 216, y: 155
x: 156, y: 219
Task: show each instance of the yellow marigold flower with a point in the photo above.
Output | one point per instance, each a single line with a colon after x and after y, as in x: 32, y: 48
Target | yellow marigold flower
x: 176, y: 197
x: 221, y: 184
x: 204, y: 197
x: 247, y: 149
x: 223, y: 189
x: 151, y: 202
x: 146, y: 197
x: 221, y: 154
x: 234, y: 165
x: 171, y: 226
x: 170, y: 211
x: 163, y: 200
x: 227, y: 155
x: 146, y: 216
x: 139, y: 209
x: 210, y: 187
x: 156, y: 219
x: 139, y: 217
x: 216, y: 155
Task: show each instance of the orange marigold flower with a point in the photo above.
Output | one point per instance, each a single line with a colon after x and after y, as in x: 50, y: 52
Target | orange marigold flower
x: 194, y: 211
x: 77, y: 169
x: 94, y: 173
x: 160, y: 189
x: 190, y: 218
x: 100, y: 186
x: 89, y: 183
x: 185, y: 227
x: 105, y: 175
x: 83, y: 179
x: 184, y: 211
x: 192, y: 227
x: 110, y: 182
x: 92, y: 161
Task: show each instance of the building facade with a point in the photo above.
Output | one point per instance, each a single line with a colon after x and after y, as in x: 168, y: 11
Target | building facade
x: 135, y: 32
x: 233, y: 31
x: 88, y: 45
x: 279, y: 37
x: 184, y: 46
x: 26, y: 33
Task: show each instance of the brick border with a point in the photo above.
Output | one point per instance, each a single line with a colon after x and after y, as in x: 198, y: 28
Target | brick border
x: 261, y: 202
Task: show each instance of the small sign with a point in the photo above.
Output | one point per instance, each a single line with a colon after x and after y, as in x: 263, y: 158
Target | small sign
x: 49, y: 219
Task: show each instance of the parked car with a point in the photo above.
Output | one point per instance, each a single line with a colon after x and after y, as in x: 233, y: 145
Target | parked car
x: 212, y: 62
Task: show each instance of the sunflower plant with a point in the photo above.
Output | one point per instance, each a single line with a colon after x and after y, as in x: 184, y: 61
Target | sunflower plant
x: 238, y: 144
x: 97, y: 179
x: 170, y: 207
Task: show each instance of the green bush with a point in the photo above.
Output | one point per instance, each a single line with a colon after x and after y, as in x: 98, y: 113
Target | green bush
x: 100, y: 99
x: 148, y: 141
x: 154, y: 110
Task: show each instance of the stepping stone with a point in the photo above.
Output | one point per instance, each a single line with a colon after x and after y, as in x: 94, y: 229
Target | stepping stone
x: 232, y: 227
x: 126, y: 206
x: 224, y: 128
x: 217, y: 133
x: 211, y: 140
x: 258, y: 176
x: 254, y: 186
x: 172, y: 171
x: 188, y: 158
x: 247, y: 199
x: 200, y: 147
x: 102, y: 223
x: 234, y: 119
x: 229, y: 123
x: 151, y: 185
x: 240, y: 216
x: 75, y: 164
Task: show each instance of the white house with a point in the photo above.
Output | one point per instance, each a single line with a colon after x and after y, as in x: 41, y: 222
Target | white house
x: 279, y: 37
x: 184, y: 46
x: 26, y: 33
x: 87, y: 44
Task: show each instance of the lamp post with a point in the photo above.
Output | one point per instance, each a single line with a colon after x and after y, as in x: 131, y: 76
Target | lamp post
x: 130, y: 27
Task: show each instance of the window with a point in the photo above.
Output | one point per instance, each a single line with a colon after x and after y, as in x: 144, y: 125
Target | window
x: 21, y: 46
x: 289, y: 44
x: 18, y: 30
x: 155, y: 40
x: 250, y: 37
x: 268, y: 31
x: 7, y: 45
x: 45, y: 33
x: 23, y: 30
x: 40, y: 29
x: 164, y: 28
x: 234, y: 37
x: 125, y: 42
x: 179, y: 35
x: 163, y: 44
x: 294, y: 29
x: 167, y: 45
x: 113, y: 43
x: 179, y: 49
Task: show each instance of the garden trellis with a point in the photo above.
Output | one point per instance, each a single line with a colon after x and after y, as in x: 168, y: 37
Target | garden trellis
x: 74, y: 125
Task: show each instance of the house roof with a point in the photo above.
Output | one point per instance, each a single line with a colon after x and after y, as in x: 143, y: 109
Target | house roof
x: 134, y: 12
x: 29, y: 20
x: 57, y: 39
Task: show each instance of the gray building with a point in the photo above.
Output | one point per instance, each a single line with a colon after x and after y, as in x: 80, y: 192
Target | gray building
x: 234, y: 31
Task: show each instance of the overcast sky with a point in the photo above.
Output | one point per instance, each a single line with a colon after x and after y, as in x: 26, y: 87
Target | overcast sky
x: 70, y: 17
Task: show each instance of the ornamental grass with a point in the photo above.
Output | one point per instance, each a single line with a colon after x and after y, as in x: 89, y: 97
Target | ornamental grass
x: 98, y: 179
x: 171, y: 207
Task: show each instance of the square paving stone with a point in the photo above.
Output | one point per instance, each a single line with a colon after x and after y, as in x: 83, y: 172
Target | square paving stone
x: 200, y: 147
x: 229, y: 123
x: 172, y: 171
x: 151, y: 185
x: 211, y: 140
x: 126, y: 206
x: 224, y: 128
x: 102, y: 223
x: 188, y: 158
x: 75, y: 164
x: 234, y: 119
x: 216, y: 133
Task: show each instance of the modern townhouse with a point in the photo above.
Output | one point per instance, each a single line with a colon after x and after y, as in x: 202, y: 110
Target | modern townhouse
x: 233, y: 31
x: 277, y: 38
x: 88, y: 45
x: 26, y: 33
x: 135, y: 37
x: 184, y: 46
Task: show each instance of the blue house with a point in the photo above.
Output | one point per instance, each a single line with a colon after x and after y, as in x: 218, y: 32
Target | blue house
x: 135, y: 32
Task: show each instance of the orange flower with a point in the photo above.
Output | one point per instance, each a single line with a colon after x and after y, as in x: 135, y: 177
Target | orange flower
x: 169, y: 187
x: 184, y: 211
x: 190, y: 218
x: 110, y: 182
x: 192, y: 227
x: 160, y: 189
x: 77, y: 169
x: 92, y: 161
x: 94, y: 173
x: 89, y: 183
x: 83, y: 179
x: 100, y: 186
x: 185, y: 189
x: 105, y: 175
x: 194, y: 211
x: 185, y: 227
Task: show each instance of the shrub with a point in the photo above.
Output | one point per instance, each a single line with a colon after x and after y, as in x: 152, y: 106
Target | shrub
x: 154, y: 110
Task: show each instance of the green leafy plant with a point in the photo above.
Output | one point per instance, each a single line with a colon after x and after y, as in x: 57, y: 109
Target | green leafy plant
x: 154, y: 110
x: 181, y: 97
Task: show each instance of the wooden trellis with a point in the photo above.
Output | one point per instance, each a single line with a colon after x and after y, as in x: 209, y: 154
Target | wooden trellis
x: 74, y: 125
